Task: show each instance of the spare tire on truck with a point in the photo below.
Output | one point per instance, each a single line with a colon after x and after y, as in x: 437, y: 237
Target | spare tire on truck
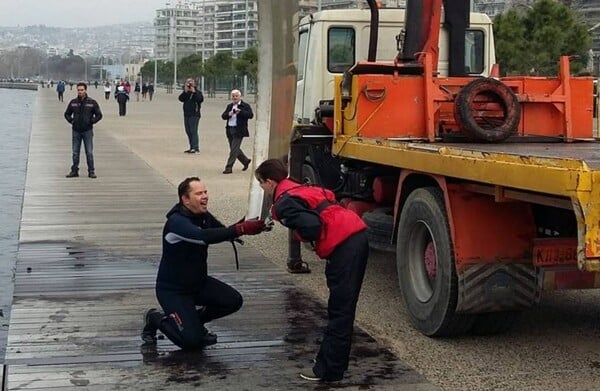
x: 487, y: 110
x: 380, y: 223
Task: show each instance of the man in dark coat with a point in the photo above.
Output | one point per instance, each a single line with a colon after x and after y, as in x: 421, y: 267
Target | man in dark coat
x: 82, y: 113
x: 189, y: 296
x: 236, y: 114
x: 192, y: 102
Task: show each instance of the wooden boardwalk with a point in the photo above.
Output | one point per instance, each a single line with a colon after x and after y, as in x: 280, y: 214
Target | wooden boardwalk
x: 86, y: 266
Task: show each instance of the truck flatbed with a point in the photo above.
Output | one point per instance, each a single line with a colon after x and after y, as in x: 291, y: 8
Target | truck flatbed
x: 565, y: 175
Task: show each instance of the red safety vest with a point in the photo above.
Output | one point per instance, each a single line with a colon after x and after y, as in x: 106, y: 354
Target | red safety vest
x: 337, y: 222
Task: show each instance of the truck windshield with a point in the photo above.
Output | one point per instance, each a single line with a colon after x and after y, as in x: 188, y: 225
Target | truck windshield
x: 340, y: 49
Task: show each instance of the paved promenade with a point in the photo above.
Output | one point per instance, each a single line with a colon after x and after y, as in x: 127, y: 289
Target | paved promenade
x: 87, y: 261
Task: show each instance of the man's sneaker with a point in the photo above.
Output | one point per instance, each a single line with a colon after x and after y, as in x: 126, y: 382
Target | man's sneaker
x: 149, y: 330
x: 208, y: 338
x: 191, y: 150
x: 92, y: 174
x: 227, y: 171
x: 310, y: 376
x: 72, y: 174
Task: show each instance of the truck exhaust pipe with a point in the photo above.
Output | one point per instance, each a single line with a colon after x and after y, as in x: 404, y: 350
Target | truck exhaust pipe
x: 373, y: 31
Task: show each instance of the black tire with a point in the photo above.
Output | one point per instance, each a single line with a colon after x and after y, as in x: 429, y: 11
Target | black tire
x: 493, y: 323
x: 380, y: 223
x: 476, y: 120
x: 430, y: 295
x: 309, y: 175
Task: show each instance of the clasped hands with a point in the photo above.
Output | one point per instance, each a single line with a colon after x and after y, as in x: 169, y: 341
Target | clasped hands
x: 252, y: 226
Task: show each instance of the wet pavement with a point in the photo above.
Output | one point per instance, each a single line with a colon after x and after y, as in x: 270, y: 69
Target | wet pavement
x: 15, y: 110
x: 86, y: 266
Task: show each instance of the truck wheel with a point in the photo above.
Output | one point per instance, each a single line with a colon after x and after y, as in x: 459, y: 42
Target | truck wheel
x: 309, y: 175
x: 425, y: 263
x: 487, y: 110
x: 492, y: 323
x: 380, y: 223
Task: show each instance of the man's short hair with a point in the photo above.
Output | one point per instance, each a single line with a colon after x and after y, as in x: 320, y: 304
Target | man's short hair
x: 237, y: 92
x: 82, y: 84
x: 184, y: 186
x: 271, y: 169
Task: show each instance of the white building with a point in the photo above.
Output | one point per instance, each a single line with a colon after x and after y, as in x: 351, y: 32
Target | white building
x: 206, y: 27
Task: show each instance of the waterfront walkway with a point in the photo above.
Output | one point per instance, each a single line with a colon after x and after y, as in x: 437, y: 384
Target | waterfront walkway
x: 88, y: 256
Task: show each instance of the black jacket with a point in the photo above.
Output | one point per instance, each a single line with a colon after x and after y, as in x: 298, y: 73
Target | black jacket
x: 121, y: 96
x: 82, y: 114
x: 186, y: 237
x: 192, y: 101
x: 243, y: 116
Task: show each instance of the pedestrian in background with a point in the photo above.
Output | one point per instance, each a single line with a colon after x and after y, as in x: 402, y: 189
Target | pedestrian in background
x: 188, y: 296
x: 82, y: 113
x: 137, y: 91
x: 122, y: 97
x: 236, y: 116
x: 150, y: 91
x: 60, y: 90
x: 144, y: 91
x: 192, y: 102
x: 339, y: 236
x: 107, y: 90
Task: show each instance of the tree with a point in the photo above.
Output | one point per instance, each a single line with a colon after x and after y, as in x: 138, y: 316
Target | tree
x: 164, y: 71
x: 530, y: 42
x: 247, y: 63
x: 190, y: 66
x: 219, y: 70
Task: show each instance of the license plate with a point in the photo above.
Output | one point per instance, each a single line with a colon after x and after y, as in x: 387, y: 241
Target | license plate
x: 555, y: 252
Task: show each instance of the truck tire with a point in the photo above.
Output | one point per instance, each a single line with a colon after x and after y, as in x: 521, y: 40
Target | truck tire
x: 309, y: 175
x: 492, y: 323
x: 380, y: 223
x: 425, y: 263
x: 472, y: 113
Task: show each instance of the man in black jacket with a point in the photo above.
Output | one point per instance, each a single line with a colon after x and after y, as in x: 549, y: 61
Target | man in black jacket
x: 236, y: 114
x: 82, y: 113
x: 192, y: 101
x: 183, y: 283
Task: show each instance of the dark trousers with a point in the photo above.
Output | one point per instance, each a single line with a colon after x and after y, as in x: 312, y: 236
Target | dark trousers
x: 344, y: 271
x: 235, y: 149
x: 183, y: 324
x: 107, y: 95
x: 60, y: 96
x: 191, y: 130
x: 122, y: 108
x: 87, y: 138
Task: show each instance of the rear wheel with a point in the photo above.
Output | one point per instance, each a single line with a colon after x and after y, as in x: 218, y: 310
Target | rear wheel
x: 380, y: 225
x: 425, y: 263
x: 309, y: 175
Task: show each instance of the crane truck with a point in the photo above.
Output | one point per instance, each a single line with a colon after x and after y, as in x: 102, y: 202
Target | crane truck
x: 488, y: 188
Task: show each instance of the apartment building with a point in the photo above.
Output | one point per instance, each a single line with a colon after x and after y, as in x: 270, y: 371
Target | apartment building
x: 205, y: 27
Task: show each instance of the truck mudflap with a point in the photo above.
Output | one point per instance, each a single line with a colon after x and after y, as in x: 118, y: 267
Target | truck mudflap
x: 497, y: 287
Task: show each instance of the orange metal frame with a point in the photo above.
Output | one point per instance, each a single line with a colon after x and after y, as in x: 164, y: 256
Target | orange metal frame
x: 391, y: 105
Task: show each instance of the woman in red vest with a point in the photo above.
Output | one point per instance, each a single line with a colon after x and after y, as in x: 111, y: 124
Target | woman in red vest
x: 339, y: 236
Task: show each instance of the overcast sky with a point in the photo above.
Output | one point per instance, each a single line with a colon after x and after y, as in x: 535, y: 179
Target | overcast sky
x: 77, y: 13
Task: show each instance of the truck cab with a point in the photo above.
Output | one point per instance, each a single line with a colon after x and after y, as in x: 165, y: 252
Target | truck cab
x: 330, y: 42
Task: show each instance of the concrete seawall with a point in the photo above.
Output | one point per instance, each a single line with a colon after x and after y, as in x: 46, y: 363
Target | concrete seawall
x: 19, y: 86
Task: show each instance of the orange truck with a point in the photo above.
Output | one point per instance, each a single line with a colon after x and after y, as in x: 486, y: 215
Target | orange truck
x: 487, y: 189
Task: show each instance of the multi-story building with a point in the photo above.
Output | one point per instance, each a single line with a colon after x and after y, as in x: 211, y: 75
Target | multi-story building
x: 205, y: 27
x: 495, y: 7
